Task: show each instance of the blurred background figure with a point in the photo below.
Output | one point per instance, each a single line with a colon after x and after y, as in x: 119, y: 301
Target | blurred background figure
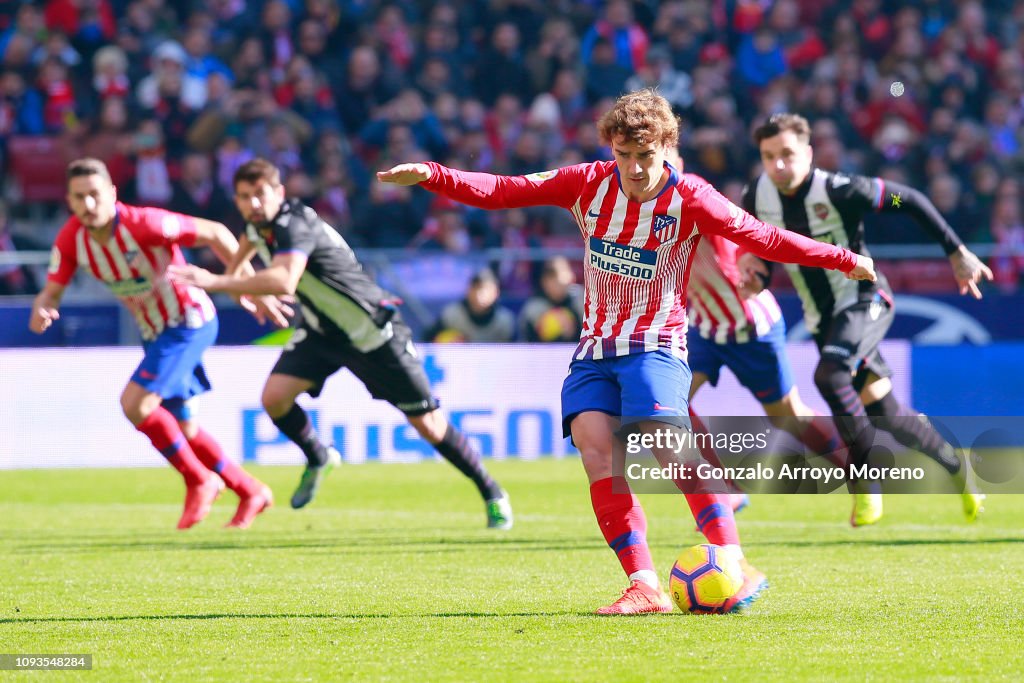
x: 15, y: 280
x: 479, y: 317
x: 555, y: 312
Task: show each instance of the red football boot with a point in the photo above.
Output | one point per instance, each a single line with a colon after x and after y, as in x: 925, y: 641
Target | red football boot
x: 198, y: 501
x: 639, y: 598
x: 250, y: 506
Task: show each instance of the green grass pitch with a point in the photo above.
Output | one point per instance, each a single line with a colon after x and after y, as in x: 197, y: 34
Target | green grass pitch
x: 390, y: 575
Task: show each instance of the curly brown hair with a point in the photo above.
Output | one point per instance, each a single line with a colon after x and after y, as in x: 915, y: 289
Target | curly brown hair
x: 643, y: 117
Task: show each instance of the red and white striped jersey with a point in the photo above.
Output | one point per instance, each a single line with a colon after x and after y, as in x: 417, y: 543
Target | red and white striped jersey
x: 638, y: 255
x: 717, y: 310
x: 133, y: 264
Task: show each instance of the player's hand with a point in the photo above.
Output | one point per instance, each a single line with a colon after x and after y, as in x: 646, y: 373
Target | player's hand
x: 42, y: 318
x: 405, y: 174
x: 864, y: 270
x: 192, y: 275
x: 754, y: 275
x: 268, y: 308
x: 969, y: 271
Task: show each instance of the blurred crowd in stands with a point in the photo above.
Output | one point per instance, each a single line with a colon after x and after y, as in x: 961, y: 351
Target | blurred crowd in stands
x: 175, y: 95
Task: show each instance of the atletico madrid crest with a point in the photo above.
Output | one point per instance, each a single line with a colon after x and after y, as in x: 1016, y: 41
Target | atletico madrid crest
x: 665, y: 227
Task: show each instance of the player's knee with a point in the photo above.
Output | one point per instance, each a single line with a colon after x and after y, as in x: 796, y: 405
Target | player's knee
x: 276, y: 404
x: 830, y: 377
x: 134, y: 408
x: 431, y: 426
x: 190, y: 428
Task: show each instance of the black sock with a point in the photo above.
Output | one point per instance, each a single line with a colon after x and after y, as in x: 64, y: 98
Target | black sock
x: 296, y: 426
x: 457, y: 450
x: 852, y: 423
x: 913, y: 430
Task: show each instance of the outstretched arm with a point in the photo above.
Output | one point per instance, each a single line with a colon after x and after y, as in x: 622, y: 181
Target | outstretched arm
x: 280, y: 278
x: 235, y: 255
x: 968, y: 269
x: 717, y: 215
x: 217, y: 237
x: 559, y: 187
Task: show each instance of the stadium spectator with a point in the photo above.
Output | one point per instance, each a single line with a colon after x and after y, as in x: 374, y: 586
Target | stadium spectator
x: 365, y: 87
x: 15, y: 280
x: 213, y: 73
x: 21, y: 106
x: 196, y: 193
x: 618, y: 29
x: 501, y: 69
x: 478, y: 317
x: 1008, y: 232
x: 555, y: 312
x: 111, y: 140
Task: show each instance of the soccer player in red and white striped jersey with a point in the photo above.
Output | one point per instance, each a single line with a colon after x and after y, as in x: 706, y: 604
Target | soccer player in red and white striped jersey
x: 719, y: 310
x: 641, y: 220
x: 129, y: 249
x: 732, y: 326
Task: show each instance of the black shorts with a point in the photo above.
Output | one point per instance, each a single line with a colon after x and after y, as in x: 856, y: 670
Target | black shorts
x: 853, y: 335
x: 392, y: 373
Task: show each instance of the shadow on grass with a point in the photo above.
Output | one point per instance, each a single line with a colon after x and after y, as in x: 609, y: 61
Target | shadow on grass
x: 385, y: 545
x: 885, y: 542
x: 315, y: 615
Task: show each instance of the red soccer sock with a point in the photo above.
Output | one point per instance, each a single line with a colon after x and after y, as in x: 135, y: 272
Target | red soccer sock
x: 713, y: 514
x: 819, y: 434
x: 165, y: 435
x: 711, y: 511
x: 211, y: 455
x: 623, y: 524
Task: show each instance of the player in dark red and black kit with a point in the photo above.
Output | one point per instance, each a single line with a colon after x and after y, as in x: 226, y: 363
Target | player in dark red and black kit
x: 849, y: 319
x: 348, y: 321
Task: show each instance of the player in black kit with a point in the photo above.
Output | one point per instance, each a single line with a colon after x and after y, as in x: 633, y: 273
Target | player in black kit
x: 347, y: 321
x: 848, y: 318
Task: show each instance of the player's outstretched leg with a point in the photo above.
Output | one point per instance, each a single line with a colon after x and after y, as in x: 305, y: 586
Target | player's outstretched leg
x: 624, y: 527
x: 253, y: 495
x: 914, y: 430
x: 457, y: 449
x: 294, y: 423
x: 201, y: 487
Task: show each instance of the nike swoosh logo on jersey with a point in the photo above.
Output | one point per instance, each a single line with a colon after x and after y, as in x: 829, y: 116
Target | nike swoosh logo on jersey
x: 591, y: 214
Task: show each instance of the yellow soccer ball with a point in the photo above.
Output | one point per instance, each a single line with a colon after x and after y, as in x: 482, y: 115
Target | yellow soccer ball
x: 703, y: 578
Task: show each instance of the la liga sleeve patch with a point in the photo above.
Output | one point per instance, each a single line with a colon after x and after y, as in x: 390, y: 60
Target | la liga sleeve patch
x: 542, y: 176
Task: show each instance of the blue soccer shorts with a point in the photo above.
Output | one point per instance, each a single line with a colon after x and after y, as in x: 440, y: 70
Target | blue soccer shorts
x: 173, y: 365
x: 652, y: 386
x: 761, y: 365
